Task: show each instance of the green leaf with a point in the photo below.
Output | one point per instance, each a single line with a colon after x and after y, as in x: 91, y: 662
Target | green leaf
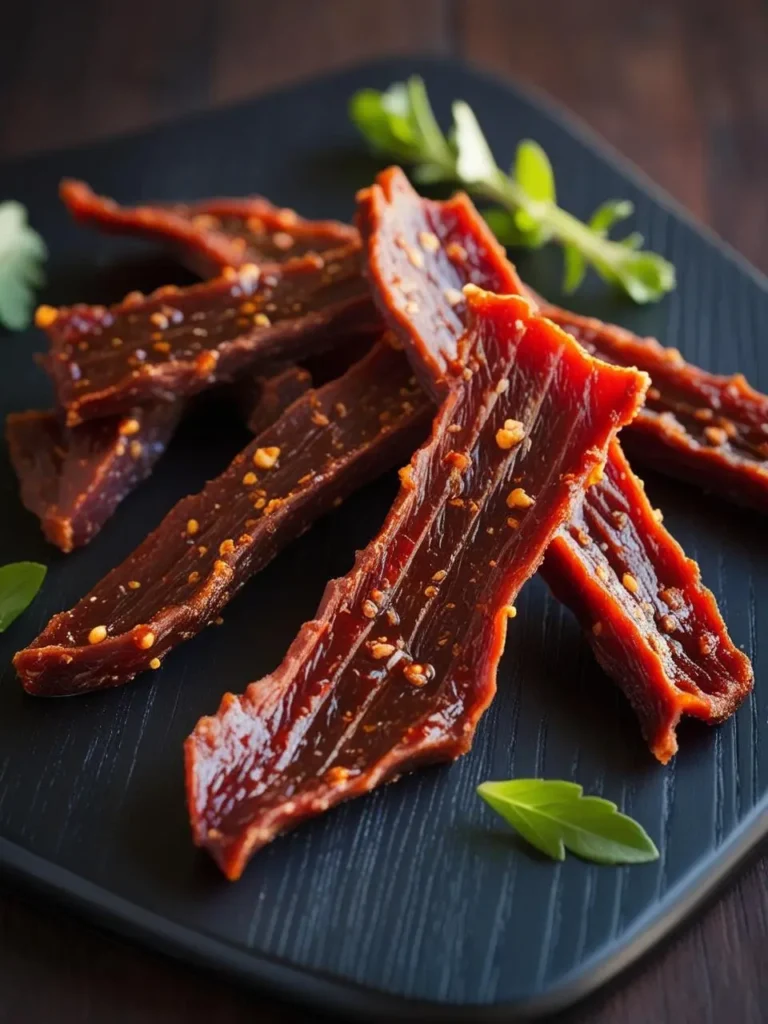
x: 555, y: 816
x: 533, y: 172
x: 400, y: 123
x: 611, y: 211
x: 474, y: 159
x: 575, y: 269
x: 19, y: 582
x: 22, y: 252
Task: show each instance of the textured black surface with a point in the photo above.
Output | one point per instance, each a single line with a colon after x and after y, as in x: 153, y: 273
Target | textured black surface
x: 416, y: 891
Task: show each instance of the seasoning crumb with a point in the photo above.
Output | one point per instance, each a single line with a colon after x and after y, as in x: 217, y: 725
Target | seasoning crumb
x: 510, y: 611
x: 97, y: 634
x: 192, y: 527
x: 146, y: 640
x: 154, y: 663
x: 250, y: 479
x: 510, y: 434
x: 381, y: 650
x: 370, y: 610
x: 45, y: 316
x: 715, y: 436
x: 518, y: 497
x: 631, y: 584
x: 129, y: 427
x: 133, y: 584
x: 430, y: 591
x: 226, y: 547
x: 265, y: 458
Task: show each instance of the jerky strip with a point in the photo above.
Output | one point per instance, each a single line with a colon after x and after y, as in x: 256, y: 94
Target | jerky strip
x: 401, y: 660
x: 177, y: 581
x: 214, y: 233
x: 672, y: 662
x: 73, y: 478
x: 653, y: 626
x: 180, y: 341
x: 264, y: 397
x: 696, y: 426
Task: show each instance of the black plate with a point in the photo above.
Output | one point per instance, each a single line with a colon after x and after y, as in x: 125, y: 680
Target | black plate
x: 414, y: 900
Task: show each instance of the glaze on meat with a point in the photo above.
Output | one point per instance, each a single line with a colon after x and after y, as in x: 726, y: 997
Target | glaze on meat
x: 616, y: 565
x: 327, y: 444
x: 214, y: 233
x: 696, y: 426
x: 179, y: 341
x: 73, y: 478
x: 400, y: 662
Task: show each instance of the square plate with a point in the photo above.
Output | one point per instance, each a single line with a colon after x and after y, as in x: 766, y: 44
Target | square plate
x: 414, y: 901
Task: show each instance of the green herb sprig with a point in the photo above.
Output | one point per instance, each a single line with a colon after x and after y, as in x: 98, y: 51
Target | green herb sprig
x: 400, y: 124
x: 19, y: 583
x: 555, y: 816
x: 22, y: 252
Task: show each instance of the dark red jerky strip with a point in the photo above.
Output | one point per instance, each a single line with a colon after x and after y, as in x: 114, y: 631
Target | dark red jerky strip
x: 264, y: 397
x: 421, y: 256
x: 659, y: 674
x: 324, y: 446
x: 213, y: 233
x: 654, y: 628
x: 73, y: 478
x: 180, y: 341
x: 401, y: 660
x: 697, y: 426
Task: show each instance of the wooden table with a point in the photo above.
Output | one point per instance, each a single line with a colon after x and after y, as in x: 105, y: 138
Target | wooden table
x: 679, y: 86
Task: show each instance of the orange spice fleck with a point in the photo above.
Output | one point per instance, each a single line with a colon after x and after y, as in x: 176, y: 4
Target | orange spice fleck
x: 715, y: 436
x: 133, y: 584
x: 226, y: 547
x: 265, y: 458
x: 45, y: 316
x: 510, y: 434
x: 192, y: 527
x: 154, y: 663
x: 320, y: 419
x: 97, y: 634
x: 518, y: 497
x: 128, y: 427
x: 146, y: 640
x: 631, y: 584
x: 382, y: 650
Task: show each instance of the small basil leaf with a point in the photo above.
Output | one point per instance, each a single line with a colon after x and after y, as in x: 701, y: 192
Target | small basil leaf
x: 19, y: 582
x: 555, y: 816
x: 533, y: 172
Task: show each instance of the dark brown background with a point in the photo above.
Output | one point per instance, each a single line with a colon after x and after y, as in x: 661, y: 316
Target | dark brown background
x: 679, y: 86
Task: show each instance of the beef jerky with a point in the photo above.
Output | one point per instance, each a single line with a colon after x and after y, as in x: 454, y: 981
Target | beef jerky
x: 696, y: 426
x: 214, y: 233
x: 654, y: 628
x: 179, y: 341
x: 606, y: 564
x: 401, y: 660
x: 324, y: 446
x: 73, y: 478
x: 265, y: 396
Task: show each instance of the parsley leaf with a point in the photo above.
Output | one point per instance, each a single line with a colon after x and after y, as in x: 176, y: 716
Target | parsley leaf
x: 399, y: 123
x: 22, y: 252
x: 555, y: 816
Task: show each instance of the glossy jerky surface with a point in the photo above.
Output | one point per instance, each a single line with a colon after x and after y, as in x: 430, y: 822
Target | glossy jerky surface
x: 401, y: 660
x: 264, y: 397
x: 176, y: 341
x: 214, y: 233
x: 177, y: 581
x: 73, y: 478
x: 615, y: 566
x: 654, y: 628
x: 707, y: 429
